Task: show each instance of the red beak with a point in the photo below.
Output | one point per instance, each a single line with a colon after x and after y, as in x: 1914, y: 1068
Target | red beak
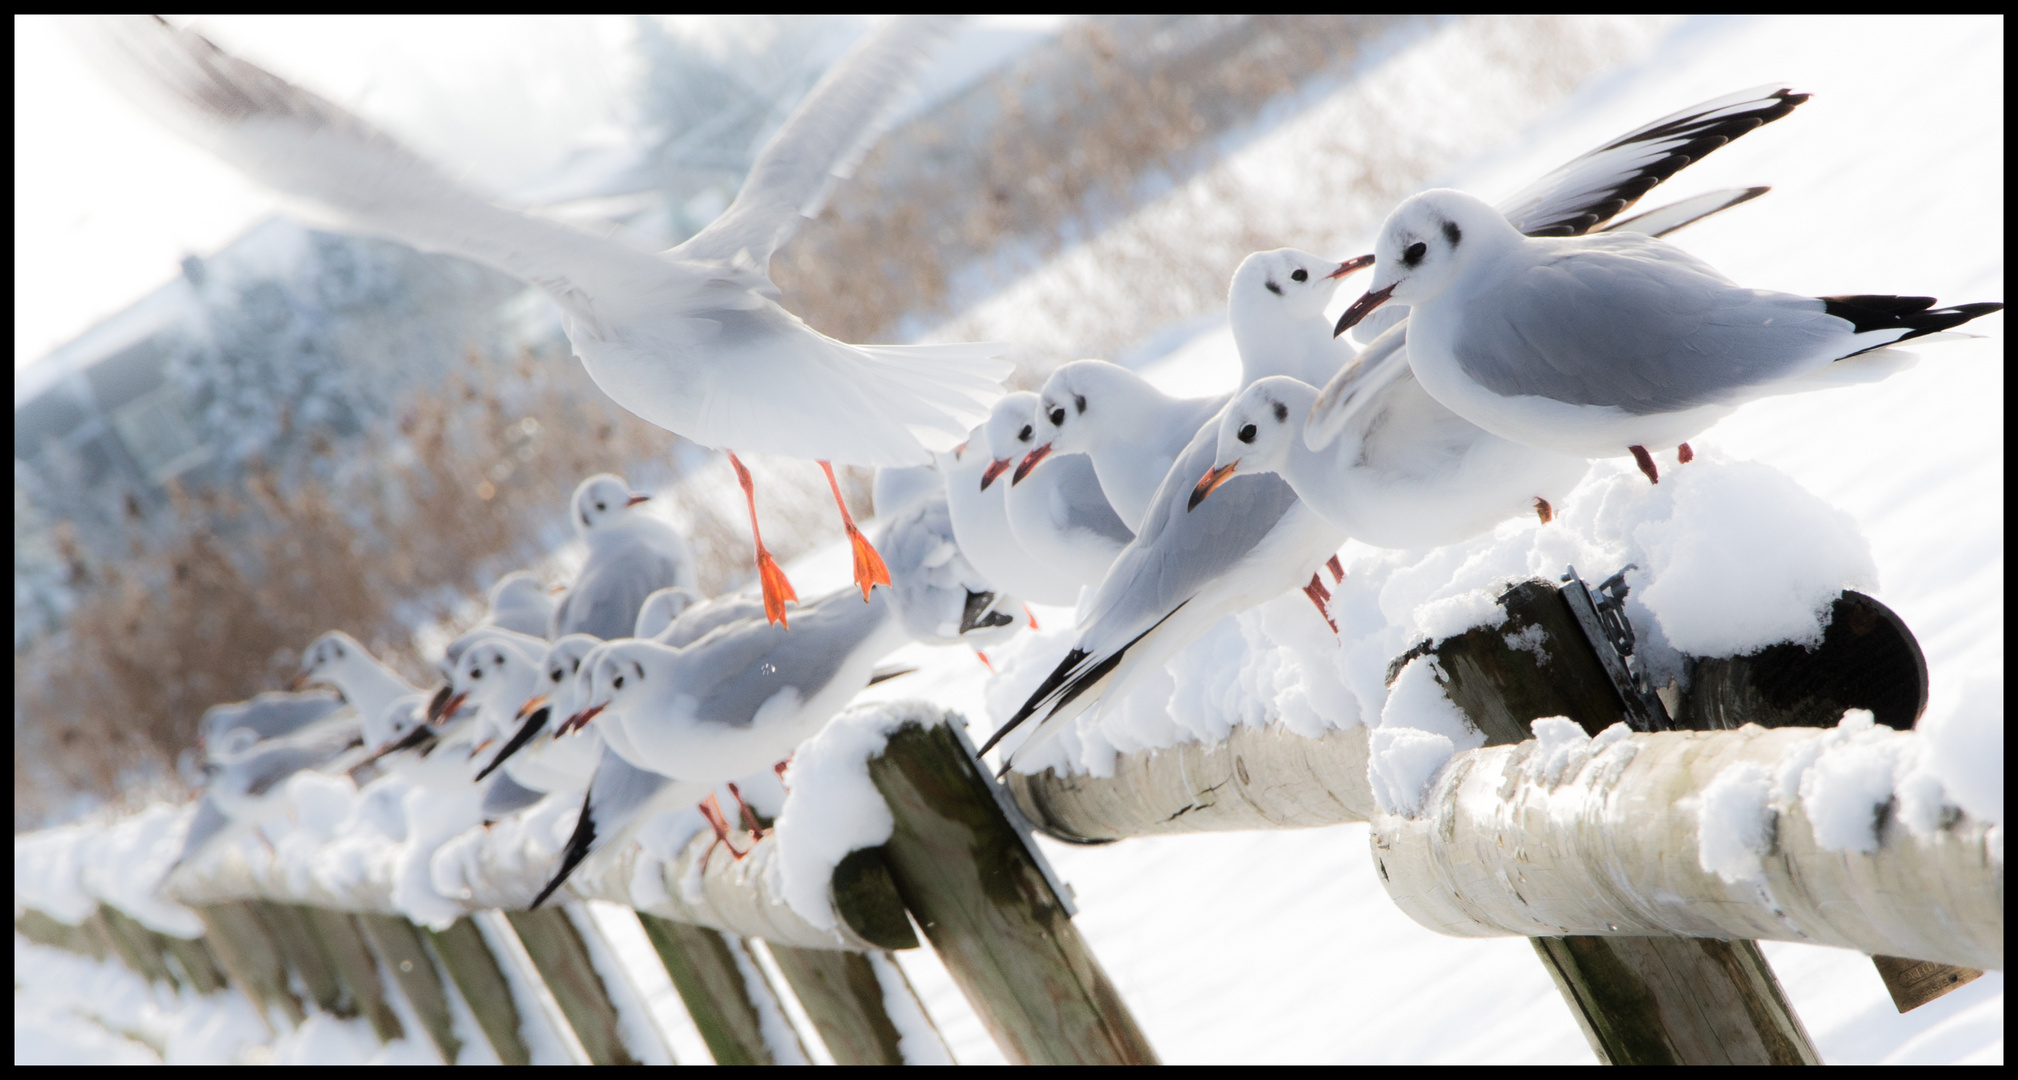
x: 1209, y: 483
x: 995, y: 469
x: 1030, y: 462
x: 1351, y: 266
x: 635, y: 500
x: 1361, y: 308
x: 526, y: 709
x: 448, y: 709
x: 577, y: 721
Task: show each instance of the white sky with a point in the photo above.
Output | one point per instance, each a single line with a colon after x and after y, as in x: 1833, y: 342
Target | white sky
x: 107, y: 202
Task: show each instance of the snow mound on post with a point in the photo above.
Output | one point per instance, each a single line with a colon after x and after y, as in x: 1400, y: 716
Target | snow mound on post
x: 1734, y: 823
x: 831, y: 805
x: 1419, y: 730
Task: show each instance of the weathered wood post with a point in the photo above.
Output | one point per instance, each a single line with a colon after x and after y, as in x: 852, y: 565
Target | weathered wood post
x: 404, y: 952
x: 197, y: 963
x: 1671, y: 1000
x: 301, y: 951
x: 249, y: 956
x: 704, y: 969
x: 467, y: 959
x: 343, y: 945
x: 140, y: 948
x: 844, y: 999
x: 990, y: 909
x: 563, y: 962
x: 84, y: 939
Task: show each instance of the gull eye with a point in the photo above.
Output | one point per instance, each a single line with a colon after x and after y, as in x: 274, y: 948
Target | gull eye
x: 476, y: 673
x: 1274, y: 288
x: 556, y: 674
x: 1057, y: 417
x: 1247, y: 433
x: 1300, y: 274
x: 1024, y: 435
x: 1415, y: 253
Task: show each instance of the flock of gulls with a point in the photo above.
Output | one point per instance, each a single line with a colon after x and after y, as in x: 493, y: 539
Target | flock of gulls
x: 1497, y: 351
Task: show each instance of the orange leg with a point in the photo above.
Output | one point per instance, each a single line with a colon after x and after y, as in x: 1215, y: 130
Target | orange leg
x: 1031, y: 615
x: 749, y: 815
x: 1683, y: 454
x: 711, y: 808
x: 1319, y: 595
x: 1337, y: 569
x: 869, y: 569
x: 780, y: 768
x: 985, y: 662
x: 1543, y: 510
x: 777, y: 590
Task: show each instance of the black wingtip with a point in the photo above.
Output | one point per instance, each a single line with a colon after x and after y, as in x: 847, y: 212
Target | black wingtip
x: 1058, y: 677
x: 579, y: 843
x: 1917, y: 315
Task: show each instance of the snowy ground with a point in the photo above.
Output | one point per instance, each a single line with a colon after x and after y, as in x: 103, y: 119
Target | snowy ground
x: 1283, y: 946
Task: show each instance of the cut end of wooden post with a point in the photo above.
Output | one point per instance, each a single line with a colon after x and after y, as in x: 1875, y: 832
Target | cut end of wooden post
x: 1913, y: 983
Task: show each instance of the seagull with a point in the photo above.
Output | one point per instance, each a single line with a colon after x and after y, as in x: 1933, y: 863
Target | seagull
x: 1061, y: 518
x: 518, y: 601
x: 496, y: 677
x: 1181, y: 575
x: 246, y: 770
x: 631, y: 555
x: 1406, y: 472
x: 941, y: 598
x: 385, y: 702
x: 743, y: 697
x: 1130, y: 431
x: 693, y: 339
x: 662, y: 607
x: 1608, y: 345
x: 979, y: 511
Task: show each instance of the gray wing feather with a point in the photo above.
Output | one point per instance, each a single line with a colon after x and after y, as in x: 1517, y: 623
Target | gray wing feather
x: 605, y: 599
x: 1179, y: 552
x: 1639, y: 327
x: 820, y: 143
x: 270, y: 715
x: 735, y: 671
x: 1086, y: 505
x: 505, y: 796
x: 208, y: 822
x: 619, y: 792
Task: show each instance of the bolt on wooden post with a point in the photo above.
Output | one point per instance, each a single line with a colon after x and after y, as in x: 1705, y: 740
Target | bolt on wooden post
x: 989, y: 909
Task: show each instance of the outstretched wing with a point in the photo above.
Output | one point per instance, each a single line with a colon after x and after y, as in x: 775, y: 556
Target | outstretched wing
x: 1599, y: 185
x: 821, y: 143
x: 314, y: 150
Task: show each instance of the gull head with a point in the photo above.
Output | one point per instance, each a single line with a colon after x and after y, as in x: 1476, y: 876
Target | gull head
x: 1061, y: 410
x: 1287, y: 283
x: 484, y: 666
x: 1425, y: 246
x: 325, y: 661
x: 603, y: 502
x: 1257, y: 431
x: 661, y: 608
x: 560, y: 673
x: 518, y: 590
x: 1011, y: 433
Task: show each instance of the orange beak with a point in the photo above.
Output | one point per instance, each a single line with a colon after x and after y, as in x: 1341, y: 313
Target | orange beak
x: 526, y: 709
x: 449, y: 708
x: 298, y: 681
x: 635, y: 500
x: 1029, y: 463
x: 995, y: 469
x: 1209, y: 483
x: 1350, y: 266
x: 1361, y: 308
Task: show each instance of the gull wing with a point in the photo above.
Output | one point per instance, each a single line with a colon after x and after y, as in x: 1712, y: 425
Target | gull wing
x: 1599, y: 185
x: 314, y: 150
x: 821, y: 143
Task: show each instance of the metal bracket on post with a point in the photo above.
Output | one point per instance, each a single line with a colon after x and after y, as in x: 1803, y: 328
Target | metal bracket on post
x: 1604, y: 623
x: 1025, y: 830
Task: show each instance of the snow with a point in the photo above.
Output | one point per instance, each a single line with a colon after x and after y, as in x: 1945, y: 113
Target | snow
x: 832, y: 807
x: 1896, y: 485
x: 918, y: 1042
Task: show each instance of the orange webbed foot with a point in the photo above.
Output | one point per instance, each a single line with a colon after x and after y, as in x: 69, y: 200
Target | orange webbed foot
x: 869, y: 568
x: 777, y: 588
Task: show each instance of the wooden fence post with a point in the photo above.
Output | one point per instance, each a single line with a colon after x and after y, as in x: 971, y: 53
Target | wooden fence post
x: 197, y: 963
x: 467, y: 959
x: 404, y: 952
x: 562, y: 958
x: 301, y: 951
x: 845, y: 1002
x: 84, y: 939
x: 702, y: 964
x: 1638, y: 1000
x: 989, y: 908
x: 343, y: 944
x: 250, y: 957
x: 135, y: 944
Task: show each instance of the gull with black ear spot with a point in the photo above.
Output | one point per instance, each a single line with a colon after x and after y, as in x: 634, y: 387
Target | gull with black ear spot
x: 1059, y: 516
x: 631, y: 555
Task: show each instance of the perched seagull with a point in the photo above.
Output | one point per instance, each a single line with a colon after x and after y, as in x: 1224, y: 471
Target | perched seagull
x: 519, y: 602
x: 1608, y: 345
x: 1130, y: 431
x: 979, y: 511
x: 385, y: 702
x: 1060, y: 517
x: 498, y: 674
x: 631, y: 555
x: 246, y: 770
x: 692, y: 339
x: 743, y: 697
x: 662, y: 607
x: 1406, y: 472
x: 1181, y: 575
x: 941, y: 598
